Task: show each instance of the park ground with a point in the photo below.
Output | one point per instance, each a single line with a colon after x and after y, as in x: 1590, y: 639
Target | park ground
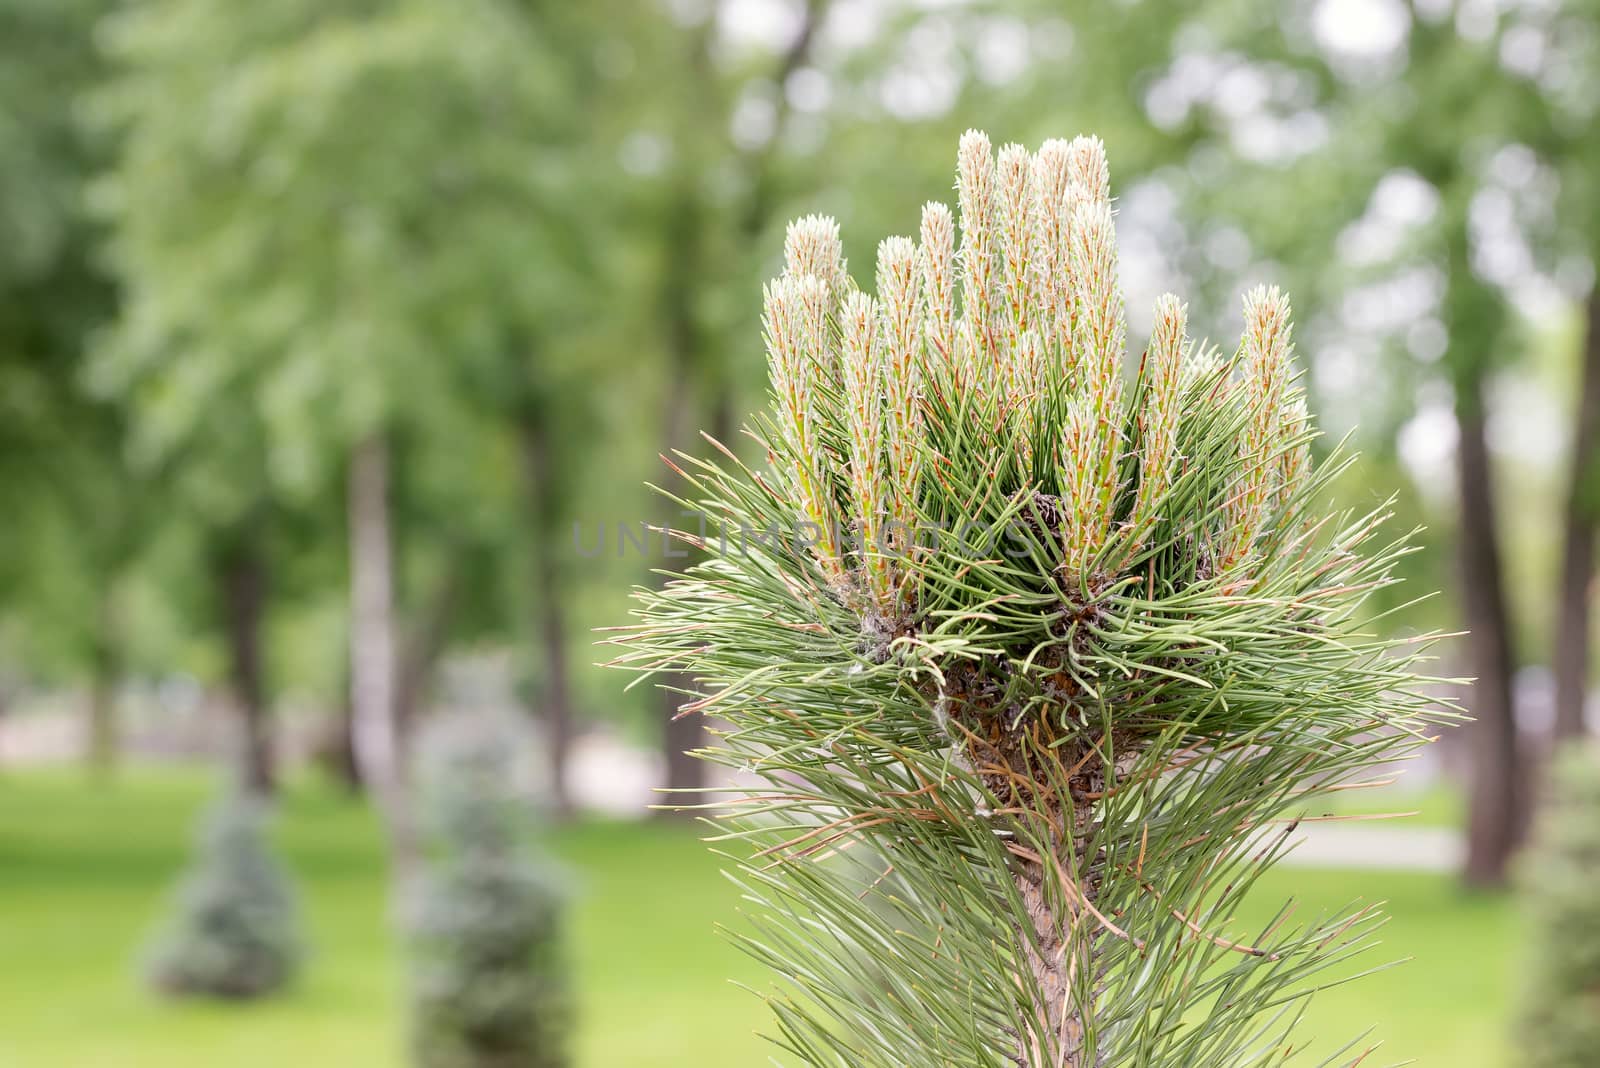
x: 85, y: 870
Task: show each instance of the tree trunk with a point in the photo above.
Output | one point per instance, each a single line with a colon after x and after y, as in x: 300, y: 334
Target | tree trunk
x: 339, y: 757
x: 549, y: 611
x: 681, y: 734
x: 1496, y: 811
x: 1572, y: 630
x: 422, y: 654
x: 372, y: 650
x: 103, y: 741
x: 557, y: 693
x: 1056, y: 947
x: 244, y: 589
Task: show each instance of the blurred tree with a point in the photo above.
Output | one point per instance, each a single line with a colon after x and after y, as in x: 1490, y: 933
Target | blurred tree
x: 1352, y: 120
x: 1554, y: 50
x: 1476, y: 69
x: 1573, y: 638
x: 490, y: 978
x: 1558, y: 1025
x: 708, y: 244
x: 234, y: 930
x: 1502, y: 108
x: 239, y: 563
x: 199, y: 437
x: 68, y: 497
x: 328, y: 213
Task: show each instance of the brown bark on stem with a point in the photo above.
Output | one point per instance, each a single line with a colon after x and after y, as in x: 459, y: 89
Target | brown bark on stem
x: 1049, y: 789
x: 1058, y: 955
x: 1572, y: 624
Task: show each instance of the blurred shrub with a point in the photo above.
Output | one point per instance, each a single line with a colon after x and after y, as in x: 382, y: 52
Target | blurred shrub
x: 1559, y: 1025
x: 490, y: 985
x: 234, y: 932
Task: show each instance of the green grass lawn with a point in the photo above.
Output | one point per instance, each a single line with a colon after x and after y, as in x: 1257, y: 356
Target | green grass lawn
x: 84, y: 873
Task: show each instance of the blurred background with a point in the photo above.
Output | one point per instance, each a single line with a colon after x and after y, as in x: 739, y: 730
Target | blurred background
x: 338, y: 339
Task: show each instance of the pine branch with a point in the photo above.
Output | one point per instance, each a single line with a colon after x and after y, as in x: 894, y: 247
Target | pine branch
x: 1059, y: 665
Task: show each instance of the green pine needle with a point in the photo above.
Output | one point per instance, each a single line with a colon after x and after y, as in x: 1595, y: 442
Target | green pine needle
x: 1019, y: 756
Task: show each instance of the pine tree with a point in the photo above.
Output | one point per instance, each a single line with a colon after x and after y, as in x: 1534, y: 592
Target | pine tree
x: 234, y: 933
x: 1559, y: 1026
x: 1038, y: 666
x: 490, y: 986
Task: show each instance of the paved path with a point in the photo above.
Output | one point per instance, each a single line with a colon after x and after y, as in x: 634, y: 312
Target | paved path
x: 1376, y: 848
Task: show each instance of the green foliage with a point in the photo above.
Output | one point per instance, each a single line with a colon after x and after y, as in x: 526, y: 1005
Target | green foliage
x: 314, y: 204
x: 1037, y: 668
x: 490, y: 982
x: 1559, y: 1023
x: 75, y: 519
x: 233, y: 932
x: 337, y: 220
